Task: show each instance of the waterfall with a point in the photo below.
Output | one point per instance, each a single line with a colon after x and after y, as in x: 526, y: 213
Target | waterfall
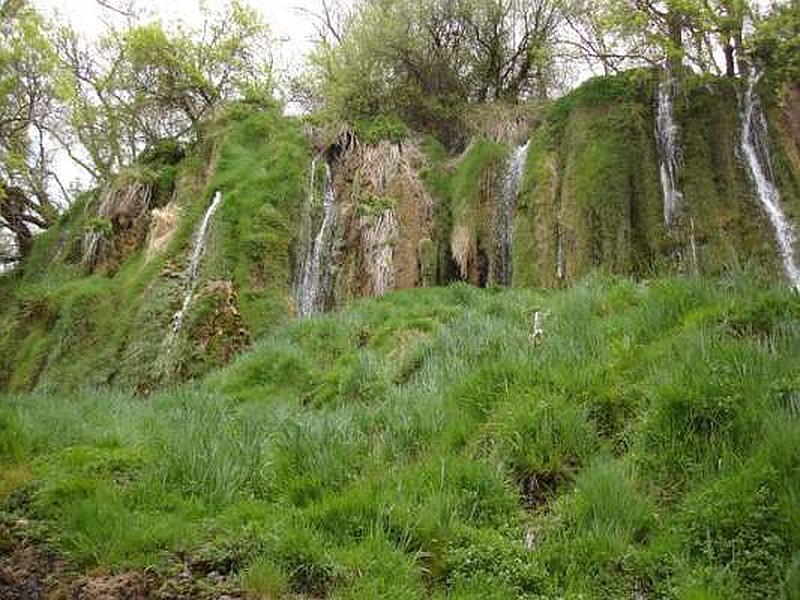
x: 504, y: 216
x: 198, y: 249
x: 315, y: 277
x: 561, y: 270
x: 669, y: 162
x: 668, y: 149
x: 755, y: 150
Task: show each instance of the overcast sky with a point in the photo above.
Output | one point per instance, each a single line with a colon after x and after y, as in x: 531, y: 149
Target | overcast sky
x: 285, y: 18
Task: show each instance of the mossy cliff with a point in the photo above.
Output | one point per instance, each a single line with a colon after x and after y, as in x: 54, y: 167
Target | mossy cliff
x: 592, y: 199
x: 95, y: 301
x: 68, y: 321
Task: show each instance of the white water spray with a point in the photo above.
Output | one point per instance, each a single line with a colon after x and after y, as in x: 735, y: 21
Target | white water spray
x: 668, y: 149
x: 561, y: 269
x: 315, y: 276
x: 198, y: 249
x: 756, y: 154
x: 504, y: 217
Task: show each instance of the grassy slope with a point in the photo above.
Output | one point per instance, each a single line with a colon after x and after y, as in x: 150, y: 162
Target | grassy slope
x: 408, y: 446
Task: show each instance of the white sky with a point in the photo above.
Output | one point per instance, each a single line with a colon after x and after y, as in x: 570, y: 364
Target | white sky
x: 285, y: 18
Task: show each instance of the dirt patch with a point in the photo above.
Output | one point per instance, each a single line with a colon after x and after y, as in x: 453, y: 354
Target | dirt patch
x: 125, y: 586
x: 27, y: 573
x: 30, y: 571
x: 536, y: 489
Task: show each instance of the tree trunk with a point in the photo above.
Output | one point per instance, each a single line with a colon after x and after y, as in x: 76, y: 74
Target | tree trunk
x: 730, y: 66
x: 12, y: 208
x: 675, y: 55
x: 741, y: 57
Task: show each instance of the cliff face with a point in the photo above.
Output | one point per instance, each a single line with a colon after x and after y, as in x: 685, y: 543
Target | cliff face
x: 592, y: 196
x: 95, y: 303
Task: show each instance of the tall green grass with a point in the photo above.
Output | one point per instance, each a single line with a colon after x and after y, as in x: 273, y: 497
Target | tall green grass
x: 422, y: 445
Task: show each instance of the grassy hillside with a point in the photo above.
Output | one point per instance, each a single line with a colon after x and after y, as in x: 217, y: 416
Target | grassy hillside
x: 590, y: 200
x: 427, y: 445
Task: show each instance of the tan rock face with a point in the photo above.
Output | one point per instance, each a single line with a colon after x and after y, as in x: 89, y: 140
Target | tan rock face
x: 387, y: 213
x: 122, y: 217
x: 163, y: 223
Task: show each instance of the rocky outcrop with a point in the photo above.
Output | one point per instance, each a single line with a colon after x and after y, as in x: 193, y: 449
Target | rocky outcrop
x: 384, y: 217
x: 163, y: 222
x: 119, y: 224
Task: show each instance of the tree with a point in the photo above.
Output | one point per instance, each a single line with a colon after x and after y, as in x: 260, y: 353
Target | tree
x: 28, y: 89
x: 730, y: 16
x: 423, y: 60
x: 513, y: 44
x: 775, y: 45
x: 145, y: 82
x: 671, y: 33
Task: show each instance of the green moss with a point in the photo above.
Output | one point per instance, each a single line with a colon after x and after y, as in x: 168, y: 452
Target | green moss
x: 471, y: 179
x: 262, y: 173
x: 382, y: 127
x: 84, y: 337
x: 370, y: 204
x: 591, y: 194
x: 535, y: 240
x: 731, y: 227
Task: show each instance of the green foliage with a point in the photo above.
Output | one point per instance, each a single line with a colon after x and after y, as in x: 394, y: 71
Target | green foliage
x: 262, y: 173
x: 100, y: 225
x: 469, y: 187
x: 29, y: 89
x: 154, y: 83
x: 424, y: 61
x: 541, y: 440
x: 590, y: 196
x: 380, y: 128
x: 623, y: 88
x: 775, y: 44
x: 54, y: 309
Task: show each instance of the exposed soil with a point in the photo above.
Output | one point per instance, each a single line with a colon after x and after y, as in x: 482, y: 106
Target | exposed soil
x: 29, y: 571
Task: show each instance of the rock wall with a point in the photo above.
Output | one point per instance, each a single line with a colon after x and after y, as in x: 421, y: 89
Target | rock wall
x: 94, y: 300
x: 592, y: 200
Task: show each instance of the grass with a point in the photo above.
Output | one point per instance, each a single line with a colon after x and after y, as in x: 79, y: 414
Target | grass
x: 420, y: 445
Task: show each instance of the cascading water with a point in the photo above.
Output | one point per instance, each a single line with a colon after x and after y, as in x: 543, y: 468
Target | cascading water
x: 314, y: 281
x: 669, y: 159
x: 668, y: 149
x: 755, y: 150
x: 198, y: 249
x: 504, y: 217
x: 560, y: 255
